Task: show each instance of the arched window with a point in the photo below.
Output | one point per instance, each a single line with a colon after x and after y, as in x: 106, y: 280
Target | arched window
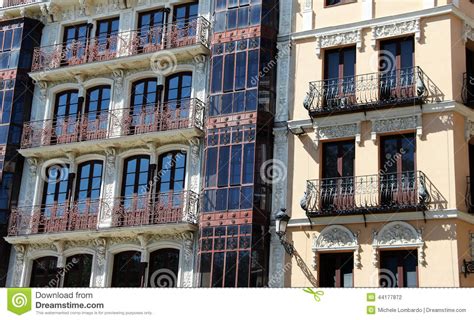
x: 178, y: 86
x: 88, y: 185
x: 145, y: 98
x: 150, y: 26
x: 128, y: 270
x: 78, y: 270
x: 163, y: 268
x: 44, y: 273
x: 66, y: 117
x: 56, y: 190
x: 171, y: 178
x: 95, y: 119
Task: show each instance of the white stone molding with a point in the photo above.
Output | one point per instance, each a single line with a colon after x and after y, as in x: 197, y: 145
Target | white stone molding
x: 18, y: 271
x: 468, y: 32
x: 194, y: 164
x: 100, y: 262
x: 396, y: 125
x: 308, y: 15
x: 396, y: 29
x: 338, y: 39
x: 337, y: 131
x: 334, y: 238
x: 398, y: 234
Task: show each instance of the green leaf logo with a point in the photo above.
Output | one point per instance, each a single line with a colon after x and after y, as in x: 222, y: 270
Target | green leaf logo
x: 19, y: 300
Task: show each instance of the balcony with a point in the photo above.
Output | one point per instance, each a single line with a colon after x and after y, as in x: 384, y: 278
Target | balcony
x: 165, y: 209
x: 468, y: 89
x: 185, y: 115
x: 406, y: 191
x: 401, y: 87
x: 133, y: 49
x: 469, y: 195
x: 13, y: 3
x: 78, y: 216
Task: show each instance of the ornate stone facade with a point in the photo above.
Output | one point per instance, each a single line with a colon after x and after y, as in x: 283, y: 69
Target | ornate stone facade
x: 338, y: 39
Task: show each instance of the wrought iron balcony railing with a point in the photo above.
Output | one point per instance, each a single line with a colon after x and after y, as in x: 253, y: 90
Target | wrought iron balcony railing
x: 468, y: 89
x: 370, y: 91
x: 169, y: 36
x: 12, y: 3
x: 369, y: 194
x: 163, y: 208
x: 55, y: 218
x: 172, y: 115
x: 469, y: 195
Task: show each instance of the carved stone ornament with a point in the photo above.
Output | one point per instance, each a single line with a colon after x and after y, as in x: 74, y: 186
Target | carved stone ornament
x: 111, y: 157
x: 336, y: 237
x: 396, y: 29
x: 468, y: 33
x: 397, y: 124
x: 399, y: 234
x: 338, y: 131
x: 338, y: 39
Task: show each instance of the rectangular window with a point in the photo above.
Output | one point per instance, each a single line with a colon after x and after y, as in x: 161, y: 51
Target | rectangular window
x: 216, y: 74
x: 236, y: 165
x: 211, y: 167
x: 223, y: 166
x: 399, y: 269
x: 240, y: 70
x: 252, y: 73
x: 249, y: 155
x: 336, y: 270
x: 229, y: 72
x: 339, y: 73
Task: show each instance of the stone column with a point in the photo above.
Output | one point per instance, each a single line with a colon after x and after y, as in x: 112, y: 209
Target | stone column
x: 19, y: 267
x: 100, y: 265
x: 188, y: 260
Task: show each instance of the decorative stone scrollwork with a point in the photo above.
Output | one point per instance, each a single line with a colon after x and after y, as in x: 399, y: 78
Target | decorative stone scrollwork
x: 397, y: 124
x: 468, y: 32
x: 336, y: 237
x: 398, y: 234
x: 20, y: 258
x: 118, y: 76
x: 396, y: 29
x: 111, y: 157
x: 338, y: 39
x: 338, y: 131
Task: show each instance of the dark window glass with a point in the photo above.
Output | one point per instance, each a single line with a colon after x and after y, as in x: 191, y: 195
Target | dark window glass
x: 338, y: 159
x: 44, y: 273
x: 223, y: 166
x: 89, y: 181
x: 66, y: 116
x: 240, y: 70
x: 221, y: 200
x: 150, y: 26
x: 127, y: 272
x: 399, y: 269
x: 244, y: 269
x: 211, y: 167
x: 218, y: 269
x: 216, y: 74
x: 248, y: 169
x: 246, y: 200
x: 236, y: 164
x: 255, y: 13
x: 220, y: 21
x: 205, y: 270
x: 231, y: 19
x: 136, y: 176
x: 230, y: 269
x: 336, y: 270
x: 163, y: 268
x: 106, y: 34
x: 243, y: 17
x: 172, y: 172
x: 78, y: 271
x: 252, y: 74
x: 56, y: 188
x: 145, y: 99
x: 75, y: 41
x: 229, y: 72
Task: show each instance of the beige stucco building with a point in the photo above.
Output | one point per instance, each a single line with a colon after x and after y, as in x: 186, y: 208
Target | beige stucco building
x: 374, y: 122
